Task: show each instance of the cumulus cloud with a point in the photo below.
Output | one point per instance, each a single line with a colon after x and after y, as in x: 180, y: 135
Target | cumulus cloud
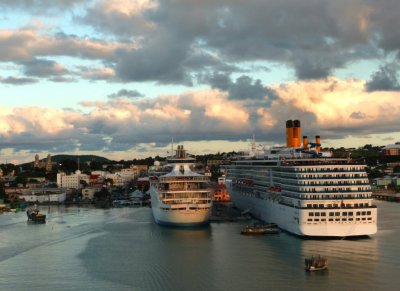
x: 18, y: 80
x: 358, y: 115
x: 126, y: 94
x: 386, y: 79
x: 122, y: 123
x: 331, y: 106
x: 43, y: 68
x: 314, y: 37
x: 173, y: 41
x: 119, y: 124
x: 26, y: 44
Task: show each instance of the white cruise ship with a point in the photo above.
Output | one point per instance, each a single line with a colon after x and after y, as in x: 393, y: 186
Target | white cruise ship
x: 305, y: 191
x: 182, y: 197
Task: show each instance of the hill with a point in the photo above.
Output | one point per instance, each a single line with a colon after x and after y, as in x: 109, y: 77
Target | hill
x: 82, y: 158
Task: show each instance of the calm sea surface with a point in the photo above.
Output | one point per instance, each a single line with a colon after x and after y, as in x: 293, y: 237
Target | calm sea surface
x: 122, y: 249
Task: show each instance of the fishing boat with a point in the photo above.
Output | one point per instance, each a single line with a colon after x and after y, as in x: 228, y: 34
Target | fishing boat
x: 35, y: 216
x: 316, y: 263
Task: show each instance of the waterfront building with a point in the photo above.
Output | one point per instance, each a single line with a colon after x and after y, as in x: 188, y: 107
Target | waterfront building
x: 44, y: 195
x: 391, y: 150
x: 71, y: 181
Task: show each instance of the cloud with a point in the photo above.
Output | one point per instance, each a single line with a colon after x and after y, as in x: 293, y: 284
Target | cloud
x: 330, y: 106
x: 126, y: 94
x: 102, y: 73
x: 119, y: 124
x: 43, y: 68
x: 18, y: 80
x: 244, y: 88
x: 386, y: 79
x: 172, y: 42
x: 358, y: 115
x: 28, y: 44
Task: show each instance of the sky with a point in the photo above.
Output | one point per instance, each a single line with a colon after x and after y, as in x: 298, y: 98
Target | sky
x: 123, y: 78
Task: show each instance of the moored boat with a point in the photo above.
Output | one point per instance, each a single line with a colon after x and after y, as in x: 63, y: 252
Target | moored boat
x: 180, y: 197
x: 316, y: 263
x: 307, y: 191
x: 260, y: 229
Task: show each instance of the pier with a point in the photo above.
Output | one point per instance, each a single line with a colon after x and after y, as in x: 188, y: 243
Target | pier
x: 224, y: 211
x: 386, y: 196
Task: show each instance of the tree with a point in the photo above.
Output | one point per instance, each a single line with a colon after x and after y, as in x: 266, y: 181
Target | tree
x: 69, y: 166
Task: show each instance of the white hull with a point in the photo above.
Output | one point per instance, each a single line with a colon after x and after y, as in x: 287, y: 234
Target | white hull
x: 292, y: 219
x: 187, y: 215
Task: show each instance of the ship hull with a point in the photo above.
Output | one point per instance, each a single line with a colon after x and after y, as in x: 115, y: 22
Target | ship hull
x: 185, y: 216
x: 288, y: 218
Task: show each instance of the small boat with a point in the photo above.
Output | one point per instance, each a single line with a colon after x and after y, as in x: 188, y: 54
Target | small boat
x: 35, y: 216
x: 258, y: 229
x: 316, y: 263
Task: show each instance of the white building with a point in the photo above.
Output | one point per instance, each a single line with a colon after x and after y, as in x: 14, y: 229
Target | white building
x: 41, y: 196
x: 71, y: 181
x: 123, y: 177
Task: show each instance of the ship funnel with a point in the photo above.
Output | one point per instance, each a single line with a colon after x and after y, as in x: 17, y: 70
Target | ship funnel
x: 318, y: 143
x: 289, y: 133
x: 296, y: 134
x: 305, y: 142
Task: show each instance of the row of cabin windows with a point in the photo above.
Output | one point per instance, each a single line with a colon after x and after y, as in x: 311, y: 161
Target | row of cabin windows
x: 345, y: 213
x: 323, y: 182
x: 338, y: 219
x: 320, y: 169
x: 336, y: 205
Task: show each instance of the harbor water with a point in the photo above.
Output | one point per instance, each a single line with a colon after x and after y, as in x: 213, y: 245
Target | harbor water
x: 123, y: 249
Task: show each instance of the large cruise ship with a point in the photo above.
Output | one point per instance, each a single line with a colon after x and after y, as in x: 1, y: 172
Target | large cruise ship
x: 182, y: 197
x: 305, y: 191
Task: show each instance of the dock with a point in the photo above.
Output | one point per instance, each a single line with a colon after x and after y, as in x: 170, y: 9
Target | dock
x: 392, y: 197
x: 224, y: 211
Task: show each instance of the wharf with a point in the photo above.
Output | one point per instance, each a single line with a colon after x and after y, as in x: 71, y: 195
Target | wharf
x: 224, y: 211
x: 392, y: 197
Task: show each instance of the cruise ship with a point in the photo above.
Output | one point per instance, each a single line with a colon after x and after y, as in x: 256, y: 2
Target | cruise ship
x: 306, y: 191
x: 181, y: 197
